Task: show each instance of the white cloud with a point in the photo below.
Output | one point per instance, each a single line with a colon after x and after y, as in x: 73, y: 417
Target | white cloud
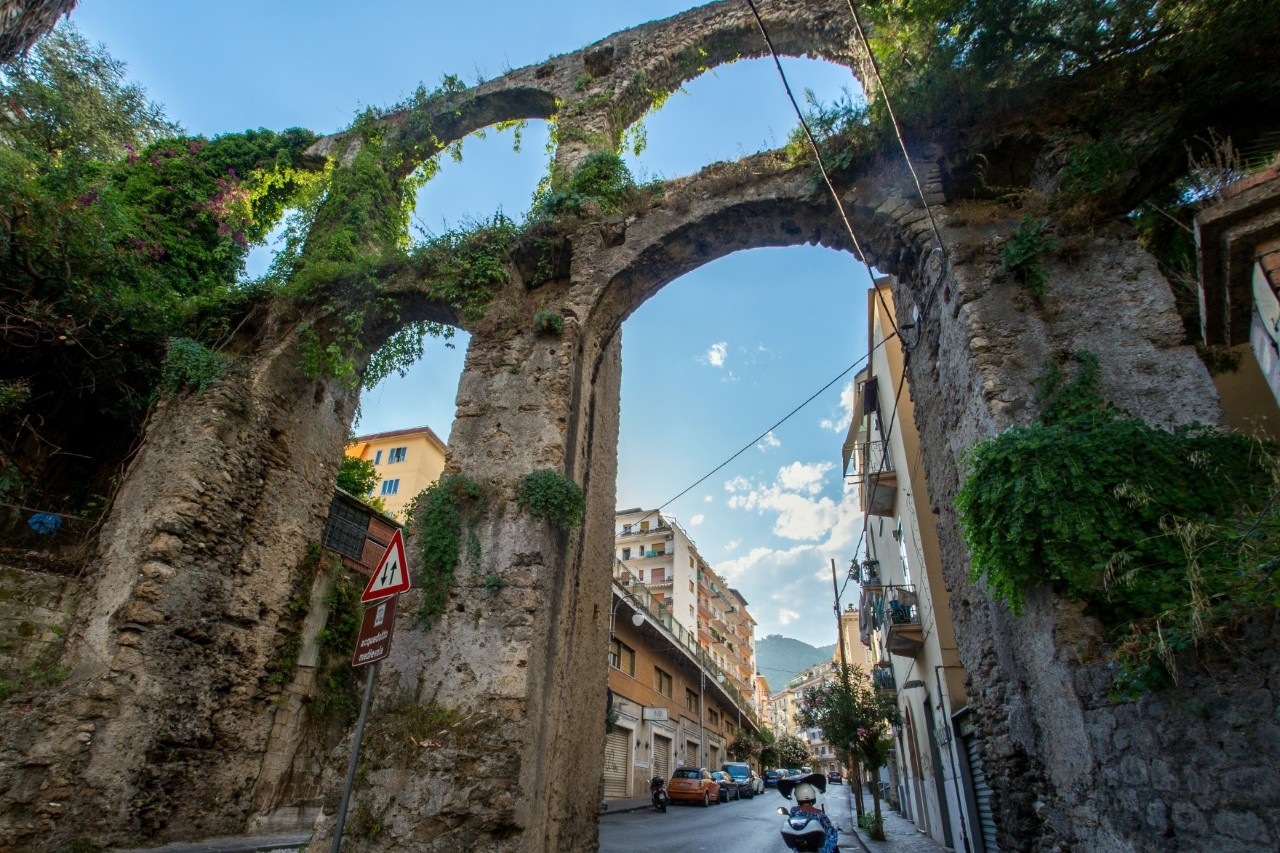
x: 789, y: 588
x: 794, y: 496
x: 840, y: 421
x: 708, y: 499
x: 732, y: 545
x: 697, y: 519
x: 769, y: 440
x: 716, y: 354
x: 799, y: 477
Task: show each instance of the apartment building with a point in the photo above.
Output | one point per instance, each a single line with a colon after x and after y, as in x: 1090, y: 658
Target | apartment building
x: 659, y: 557
x: 905, y: 622
x: 407, y: 460
x: 671, y: 704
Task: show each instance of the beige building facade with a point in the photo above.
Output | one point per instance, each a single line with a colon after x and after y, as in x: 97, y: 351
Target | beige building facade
x: 672, y: 704
x: 661, y: 558
x: 407, y: 460
x: 905, y: 624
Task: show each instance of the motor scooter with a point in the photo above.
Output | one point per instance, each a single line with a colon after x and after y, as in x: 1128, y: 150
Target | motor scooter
x: 658, y: 791
x: 802, y: 832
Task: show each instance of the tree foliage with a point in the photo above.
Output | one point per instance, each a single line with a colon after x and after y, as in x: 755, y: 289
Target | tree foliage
x: 792, y: 752
x: 121, y: 236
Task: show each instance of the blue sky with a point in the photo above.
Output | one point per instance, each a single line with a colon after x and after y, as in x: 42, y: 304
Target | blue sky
x: 708, y: 364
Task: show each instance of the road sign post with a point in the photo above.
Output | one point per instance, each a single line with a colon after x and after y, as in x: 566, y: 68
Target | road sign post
x: 372, y: 645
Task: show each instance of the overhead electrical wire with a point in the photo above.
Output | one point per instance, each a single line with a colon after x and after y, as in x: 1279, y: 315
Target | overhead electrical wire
x: 817, y: 153
x: 761, y: 436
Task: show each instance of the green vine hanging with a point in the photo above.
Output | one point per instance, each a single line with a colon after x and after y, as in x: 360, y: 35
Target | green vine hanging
x: 1161, y: 533
x: 444, y: 511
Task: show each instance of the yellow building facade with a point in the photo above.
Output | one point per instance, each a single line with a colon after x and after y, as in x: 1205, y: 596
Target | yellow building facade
x: 407, y: 460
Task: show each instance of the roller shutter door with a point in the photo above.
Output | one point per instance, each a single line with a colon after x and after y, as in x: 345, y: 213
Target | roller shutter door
x: 617, y: 763
x: 982, y: 796
x: 662, y: 756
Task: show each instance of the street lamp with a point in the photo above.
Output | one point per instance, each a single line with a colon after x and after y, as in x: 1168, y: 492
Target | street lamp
x: 637, y: 618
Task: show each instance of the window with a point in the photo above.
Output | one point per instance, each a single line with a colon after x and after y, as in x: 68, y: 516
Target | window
x: 713, y: 717
x: 377, y: 458
x: 626, y: 553
x: 626, y: 528
x: 662, y: 682
x: 644, y: 527
x: 622, y: 656
x: 690, y: 586
x: 390, y: 487
x: 642, y: 576
x: 691, y: 701
x: 397, y: 454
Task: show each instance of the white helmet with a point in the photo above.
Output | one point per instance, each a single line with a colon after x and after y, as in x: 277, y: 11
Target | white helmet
x: 806, y: 793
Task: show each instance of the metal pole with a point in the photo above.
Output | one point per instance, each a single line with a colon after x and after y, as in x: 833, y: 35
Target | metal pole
x: 844, y: 663
x: 355, y: 755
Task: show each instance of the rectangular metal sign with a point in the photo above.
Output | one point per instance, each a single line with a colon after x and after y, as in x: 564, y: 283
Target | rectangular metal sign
x: 655, y: 714
x: 379, y: 622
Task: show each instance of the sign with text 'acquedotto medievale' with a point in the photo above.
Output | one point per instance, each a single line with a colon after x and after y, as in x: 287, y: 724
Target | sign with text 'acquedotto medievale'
x: 374, y: 642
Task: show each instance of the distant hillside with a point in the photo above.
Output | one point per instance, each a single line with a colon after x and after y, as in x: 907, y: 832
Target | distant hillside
x: 780, y: 658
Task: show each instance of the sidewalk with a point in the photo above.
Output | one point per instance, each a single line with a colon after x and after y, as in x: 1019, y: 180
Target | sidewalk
x: 900, y: 834
x: 626, y: 804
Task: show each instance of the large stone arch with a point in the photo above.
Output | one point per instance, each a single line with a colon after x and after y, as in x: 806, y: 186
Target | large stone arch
x: 200, y: 556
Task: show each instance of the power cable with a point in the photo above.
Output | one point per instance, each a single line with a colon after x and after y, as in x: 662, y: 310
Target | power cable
x: 758, y: 438
x: 817, y: 154
x: 897, y: 128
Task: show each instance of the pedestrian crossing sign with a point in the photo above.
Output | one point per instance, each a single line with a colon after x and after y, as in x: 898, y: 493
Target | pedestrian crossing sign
x: 392, y: 575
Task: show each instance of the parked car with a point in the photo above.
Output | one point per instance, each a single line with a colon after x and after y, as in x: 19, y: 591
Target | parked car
x: 771, y: 778
x: 693, y: 785
x: 757, y: 782
x: 740, y: 773
x: 835, y: 778
x: 728, y: 787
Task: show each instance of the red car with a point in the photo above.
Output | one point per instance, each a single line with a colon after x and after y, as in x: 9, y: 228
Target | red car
x: 693, y: 785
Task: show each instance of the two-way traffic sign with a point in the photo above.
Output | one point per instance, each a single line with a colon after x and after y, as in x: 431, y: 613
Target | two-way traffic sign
x: 392, y: 575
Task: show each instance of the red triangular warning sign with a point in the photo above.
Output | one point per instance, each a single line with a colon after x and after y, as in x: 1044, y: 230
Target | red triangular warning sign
x: 392, y: 575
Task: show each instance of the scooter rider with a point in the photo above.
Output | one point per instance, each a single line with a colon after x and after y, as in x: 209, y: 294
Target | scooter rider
x: 806, y: 799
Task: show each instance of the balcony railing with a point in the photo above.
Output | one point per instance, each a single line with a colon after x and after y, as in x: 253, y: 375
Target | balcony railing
x: 659, y: 612
x: 895, y: 612
x: 875, y: 476
x: 882, y: 679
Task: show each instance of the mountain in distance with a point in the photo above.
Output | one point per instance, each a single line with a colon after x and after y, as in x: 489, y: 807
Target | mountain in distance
x: 781, y: 659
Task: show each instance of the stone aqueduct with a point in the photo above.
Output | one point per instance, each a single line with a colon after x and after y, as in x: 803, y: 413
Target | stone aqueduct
x: 163, y: 731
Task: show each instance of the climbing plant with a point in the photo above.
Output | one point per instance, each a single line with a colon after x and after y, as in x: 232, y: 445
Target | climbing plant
x: 1161, y: 533
x: 444, y: 513
x: 550, y: 495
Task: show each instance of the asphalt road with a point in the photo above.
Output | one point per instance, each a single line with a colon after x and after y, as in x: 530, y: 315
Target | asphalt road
x: 746, y: 826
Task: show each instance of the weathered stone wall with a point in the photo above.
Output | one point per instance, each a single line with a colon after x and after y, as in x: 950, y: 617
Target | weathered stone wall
x: 160, y: 727
x: 483, y: 729
x: 36, y: 608
x: 1071, y: 768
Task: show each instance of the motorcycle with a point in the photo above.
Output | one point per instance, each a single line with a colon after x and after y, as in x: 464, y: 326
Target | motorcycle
x: 658, y: 791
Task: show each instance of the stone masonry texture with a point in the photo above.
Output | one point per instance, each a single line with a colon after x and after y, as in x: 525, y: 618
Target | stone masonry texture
x: 485, y: 724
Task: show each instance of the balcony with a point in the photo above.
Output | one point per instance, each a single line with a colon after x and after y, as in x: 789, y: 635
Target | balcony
x: 904, y: 635
x: 659, y: 530
x: 882, y: 680
x: 874, y: 473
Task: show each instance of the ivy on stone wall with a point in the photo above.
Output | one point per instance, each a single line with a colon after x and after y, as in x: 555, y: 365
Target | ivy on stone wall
x: 550, y: 495
x: 1167, y: 536
x: 443, y: 512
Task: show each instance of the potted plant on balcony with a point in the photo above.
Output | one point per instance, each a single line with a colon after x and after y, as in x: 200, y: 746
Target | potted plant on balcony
x: 871, y: 572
